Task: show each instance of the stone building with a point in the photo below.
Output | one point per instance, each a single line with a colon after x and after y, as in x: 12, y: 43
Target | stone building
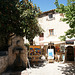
x: 53, y: 29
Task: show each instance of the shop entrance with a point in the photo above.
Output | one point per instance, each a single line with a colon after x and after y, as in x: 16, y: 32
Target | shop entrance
x: 70, y: 53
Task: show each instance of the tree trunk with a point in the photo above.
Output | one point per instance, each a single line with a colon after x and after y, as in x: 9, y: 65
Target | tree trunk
x: 31, y: 42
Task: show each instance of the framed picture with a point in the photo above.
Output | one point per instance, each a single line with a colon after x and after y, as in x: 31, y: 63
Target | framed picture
x: 35, y: 51
x: 50, y: 53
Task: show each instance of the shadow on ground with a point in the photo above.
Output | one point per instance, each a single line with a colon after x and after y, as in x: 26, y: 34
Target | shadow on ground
x: 17, y: 73
x: 38, y: 64
x: 11, y: 70
x: 68, y: 69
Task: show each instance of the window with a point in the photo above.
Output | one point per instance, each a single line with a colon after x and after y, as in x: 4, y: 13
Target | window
x: 42, y: 35
x: 50, y: 15
x: 51, y: 31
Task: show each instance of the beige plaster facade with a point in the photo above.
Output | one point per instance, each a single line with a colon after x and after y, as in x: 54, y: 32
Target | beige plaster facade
x: 54, y: 23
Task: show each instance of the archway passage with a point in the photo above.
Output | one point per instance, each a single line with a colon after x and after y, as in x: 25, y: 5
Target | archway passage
x: 70, y: 53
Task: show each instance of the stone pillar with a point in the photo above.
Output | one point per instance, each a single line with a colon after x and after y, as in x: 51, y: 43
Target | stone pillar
x: 17, y: 41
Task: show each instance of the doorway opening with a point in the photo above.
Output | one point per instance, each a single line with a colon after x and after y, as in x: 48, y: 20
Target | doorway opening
x: 70, y: 53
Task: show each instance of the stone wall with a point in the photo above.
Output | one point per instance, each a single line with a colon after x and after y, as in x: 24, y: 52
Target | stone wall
x: 8, y: 60
x: 3, y: 63
x: 12, y: 54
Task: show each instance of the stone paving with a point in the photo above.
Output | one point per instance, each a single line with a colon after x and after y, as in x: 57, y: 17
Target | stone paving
x: 16, y: 73
x: 56, y: 68
x: 49, y: 69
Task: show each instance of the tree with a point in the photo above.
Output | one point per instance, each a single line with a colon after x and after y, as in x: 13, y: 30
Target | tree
x: 29, y: 14
x: 69, y: 12
x: 17, y: 17
x: 9, y: 21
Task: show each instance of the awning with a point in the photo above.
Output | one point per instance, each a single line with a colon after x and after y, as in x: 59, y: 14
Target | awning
x: 69, y: 45
x: 59, y: 42
x: 72, y: 39
x: 55, y: 41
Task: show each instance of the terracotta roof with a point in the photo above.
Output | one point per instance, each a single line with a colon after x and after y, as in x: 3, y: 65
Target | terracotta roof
x: 49, y: 11
x: 46, y: 13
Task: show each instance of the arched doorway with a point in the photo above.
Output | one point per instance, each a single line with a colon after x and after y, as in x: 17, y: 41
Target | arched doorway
x: 70, y: 53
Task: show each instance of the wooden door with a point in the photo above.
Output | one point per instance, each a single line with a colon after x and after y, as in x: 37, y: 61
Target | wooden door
x: 70, y: 53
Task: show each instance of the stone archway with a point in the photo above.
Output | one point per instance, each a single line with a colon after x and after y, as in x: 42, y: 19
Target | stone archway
x: 70, y: 53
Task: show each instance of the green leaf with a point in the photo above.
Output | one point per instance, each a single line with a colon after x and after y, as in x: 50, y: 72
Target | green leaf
x: 69, y: 13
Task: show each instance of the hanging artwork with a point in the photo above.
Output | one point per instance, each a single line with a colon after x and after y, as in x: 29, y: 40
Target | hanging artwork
x: 62, y: 48
x: 50, y: 53
x: 57, y: 48
x: 35, y: 50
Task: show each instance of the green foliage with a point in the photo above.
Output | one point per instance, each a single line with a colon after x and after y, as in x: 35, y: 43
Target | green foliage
x: 27, y: 45
x: 18, y: 17
x: 56, y: 3
x: 62, y: 38
x: 69, y: 12
x: 29, y: 14
x: 9, y: 20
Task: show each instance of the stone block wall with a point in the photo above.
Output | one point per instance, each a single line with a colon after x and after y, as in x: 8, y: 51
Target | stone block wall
x: 15, y: 42
x: 11, y: 56
x: 3, y: 63
x: 24, y: 57
x: 9, y: 59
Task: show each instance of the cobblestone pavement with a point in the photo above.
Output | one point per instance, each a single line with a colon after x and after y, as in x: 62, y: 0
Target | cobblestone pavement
x: 56, y: 68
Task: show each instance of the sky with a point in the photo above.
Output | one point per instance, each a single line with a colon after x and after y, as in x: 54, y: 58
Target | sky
x: 46, y: 5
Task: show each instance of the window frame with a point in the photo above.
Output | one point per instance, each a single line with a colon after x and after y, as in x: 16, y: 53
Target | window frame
x: 50, y: 15
x: 51, y: 32
x: 41, y: 35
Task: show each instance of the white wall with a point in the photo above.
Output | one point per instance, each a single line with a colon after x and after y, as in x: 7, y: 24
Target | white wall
x: 58, y: 26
